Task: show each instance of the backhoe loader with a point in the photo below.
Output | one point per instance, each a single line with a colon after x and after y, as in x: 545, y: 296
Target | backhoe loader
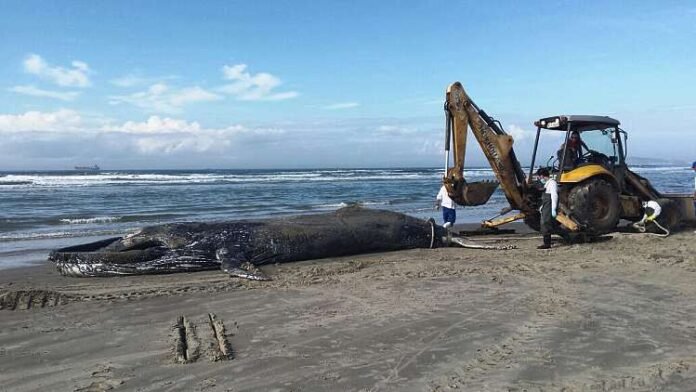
x: 596, y: 190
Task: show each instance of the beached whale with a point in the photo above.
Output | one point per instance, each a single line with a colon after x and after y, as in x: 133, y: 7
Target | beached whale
x: 239, y: 247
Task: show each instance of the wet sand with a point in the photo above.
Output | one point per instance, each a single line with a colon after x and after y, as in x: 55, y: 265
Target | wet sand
x: 615, y: 315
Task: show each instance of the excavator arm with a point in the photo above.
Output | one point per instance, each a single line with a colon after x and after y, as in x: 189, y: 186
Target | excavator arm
x: 461, y: 114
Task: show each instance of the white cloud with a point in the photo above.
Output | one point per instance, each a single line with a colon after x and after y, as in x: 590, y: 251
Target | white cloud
x: 174, y: 142
x: 343, y: 105
x: 63, y: 120
x: 248, y: 87
x: 395, y: 129
x: 159, y: 136
x: 154, y: 125
x: 168, y: 146
x: 518, y: 133
x: 167, y: 125
x: 66, y: 77
x: 37, y: 92
x: 191, y: 95
x: 133, y: 80
x: 35, y: 138
x: 160, y: 97
x: 128, y: 81
x: 70, y: 121
x: 166, y: 136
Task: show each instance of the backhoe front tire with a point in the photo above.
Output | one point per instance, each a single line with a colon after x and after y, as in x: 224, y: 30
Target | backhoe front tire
x: 595, y: 204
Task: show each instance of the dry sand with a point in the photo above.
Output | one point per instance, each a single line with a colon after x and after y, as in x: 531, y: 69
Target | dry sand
x: 614, y: 315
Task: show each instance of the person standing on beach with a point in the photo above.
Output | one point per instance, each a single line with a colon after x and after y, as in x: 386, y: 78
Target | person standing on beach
x: 449, y: 213
x: 693, y: 167
x: 549, y: 204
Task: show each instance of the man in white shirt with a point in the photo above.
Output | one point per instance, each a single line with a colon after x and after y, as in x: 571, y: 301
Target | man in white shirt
x: 651, y: 211
x: 549, y: 206
x: 449, y: 213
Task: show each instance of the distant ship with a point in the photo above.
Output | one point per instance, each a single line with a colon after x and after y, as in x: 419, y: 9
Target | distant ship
x: 88, y: 168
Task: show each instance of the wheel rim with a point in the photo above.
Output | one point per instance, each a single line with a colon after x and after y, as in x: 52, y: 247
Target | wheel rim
x: 600, y: 207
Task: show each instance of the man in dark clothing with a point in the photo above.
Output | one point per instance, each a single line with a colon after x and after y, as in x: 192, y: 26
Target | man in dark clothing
x: 573, y: 156
x: 549, y: 204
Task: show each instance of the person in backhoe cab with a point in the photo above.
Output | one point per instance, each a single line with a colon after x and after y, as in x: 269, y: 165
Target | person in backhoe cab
x: 549, y: 204
x: 449, y: 214
x: 574, y: 154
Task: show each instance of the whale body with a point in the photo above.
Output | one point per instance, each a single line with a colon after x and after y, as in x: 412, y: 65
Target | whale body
x: 240, y: 247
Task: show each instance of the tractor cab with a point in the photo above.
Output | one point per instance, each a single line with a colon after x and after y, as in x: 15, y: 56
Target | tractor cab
x: 590, y: 146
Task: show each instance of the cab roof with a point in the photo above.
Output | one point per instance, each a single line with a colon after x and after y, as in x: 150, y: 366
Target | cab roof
x: 577, y: 121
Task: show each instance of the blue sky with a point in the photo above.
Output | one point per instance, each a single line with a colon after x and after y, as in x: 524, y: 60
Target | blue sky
x: 286, y: 84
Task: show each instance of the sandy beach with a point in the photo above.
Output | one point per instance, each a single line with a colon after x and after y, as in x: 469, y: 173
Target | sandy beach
x: 615, y: 315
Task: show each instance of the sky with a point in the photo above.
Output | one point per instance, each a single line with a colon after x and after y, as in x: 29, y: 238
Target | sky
x: 300, y: 84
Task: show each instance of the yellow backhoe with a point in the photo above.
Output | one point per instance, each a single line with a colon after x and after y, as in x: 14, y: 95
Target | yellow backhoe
x: 596, y: 190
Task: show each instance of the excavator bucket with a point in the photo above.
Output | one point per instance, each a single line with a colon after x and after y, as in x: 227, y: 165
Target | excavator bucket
x: 477, y: 193
x: 472, y: 193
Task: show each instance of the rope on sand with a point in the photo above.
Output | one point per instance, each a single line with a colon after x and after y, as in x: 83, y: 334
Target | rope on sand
x: 432, y: 232
x: 462, y: 242
x: 640, y: 226
x: 472, y: 245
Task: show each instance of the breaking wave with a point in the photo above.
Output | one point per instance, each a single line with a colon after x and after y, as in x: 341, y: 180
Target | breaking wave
x: 82, y: 221
x: 62, y: 179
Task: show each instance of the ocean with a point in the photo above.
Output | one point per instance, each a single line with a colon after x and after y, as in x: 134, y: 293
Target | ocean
x: 43, y: 210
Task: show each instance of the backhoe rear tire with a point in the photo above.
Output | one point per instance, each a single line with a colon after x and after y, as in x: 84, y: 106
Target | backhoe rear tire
x: 595, y: 204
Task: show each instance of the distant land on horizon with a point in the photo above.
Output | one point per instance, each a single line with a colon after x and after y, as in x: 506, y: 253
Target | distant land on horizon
x: 644, y: 161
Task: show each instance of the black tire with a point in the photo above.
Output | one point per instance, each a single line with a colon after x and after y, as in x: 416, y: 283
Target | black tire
x: 595, y: 204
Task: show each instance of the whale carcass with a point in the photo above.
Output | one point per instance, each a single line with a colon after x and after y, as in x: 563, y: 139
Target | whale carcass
x: 239, y: 247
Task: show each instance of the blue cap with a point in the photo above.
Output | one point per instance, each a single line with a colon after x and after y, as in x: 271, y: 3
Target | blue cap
x: 693, y: 165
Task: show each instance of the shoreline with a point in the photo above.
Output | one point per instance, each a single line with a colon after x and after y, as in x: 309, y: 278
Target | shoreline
x: 613, y: 314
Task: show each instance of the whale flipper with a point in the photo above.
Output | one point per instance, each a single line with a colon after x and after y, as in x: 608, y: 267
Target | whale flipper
x: 234, y: 266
